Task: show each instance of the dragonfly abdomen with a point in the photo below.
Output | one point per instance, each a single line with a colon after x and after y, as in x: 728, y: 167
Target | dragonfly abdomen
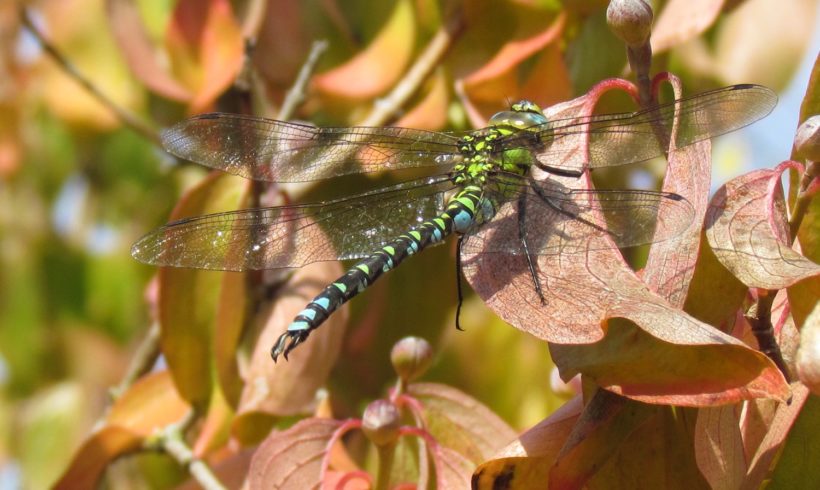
x: 459, y: 217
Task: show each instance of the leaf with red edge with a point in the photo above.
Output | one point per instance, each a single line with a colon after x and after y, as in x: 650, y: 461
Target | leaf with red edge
x: 205, y: 47
x: 379, y: 66
x: 289, y: 387
x: 719, y: 446
x: 139, y: 52
x: 526, y: 462
x: 188, y: 297
x: 293, y: 458
x: 746, y: 228
x: 707, y: 368
x: 682, y: 20
x: 150, y: 404
x: 460, y: 422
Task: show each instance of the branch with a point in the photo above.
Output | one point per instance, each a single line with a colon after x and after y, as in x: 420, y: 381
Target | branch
x: 125, y: 116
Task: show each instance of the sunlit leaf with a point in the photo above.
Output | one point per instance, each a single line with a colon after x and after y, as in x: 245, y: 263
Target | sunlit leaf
x: 149, y: 405
x: 745, y: 226
x: 188, y: 297
x: 431, y: 112
x: 377, y: 68
x: 140, y: 54
x: 461, y: 422
x: 719, y: 446
x: 808, y: 356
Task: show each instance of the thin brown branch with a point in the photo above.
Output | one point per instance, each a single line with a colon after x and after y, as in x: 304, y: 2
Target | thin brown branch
x: 128, y: 118
x: 429, y: 59
x: 297, y: 92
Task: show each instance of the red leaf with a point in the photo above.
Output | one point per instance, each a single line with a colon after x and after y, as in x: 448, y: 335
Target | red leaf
x: 91, y: 459
x: 140, y: 54
x: 293, y: 458
x: 746, y: 228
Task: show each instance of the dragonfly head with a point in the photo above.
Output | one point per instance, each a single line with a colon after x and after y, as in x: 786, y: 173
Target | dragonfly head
x: 524, y: 115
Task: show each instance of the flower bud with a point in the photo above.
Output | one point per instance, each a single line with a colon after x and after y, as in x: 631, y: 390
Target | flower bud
x: 411, y: 357
x: 807, y: 139
x: 630, y: 20
x: 381, y: 422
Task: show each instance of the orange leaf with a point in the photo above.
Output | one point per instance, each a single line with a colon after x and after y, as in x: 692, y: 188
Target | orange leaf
x: 205, y: 47
x: 379, y: 66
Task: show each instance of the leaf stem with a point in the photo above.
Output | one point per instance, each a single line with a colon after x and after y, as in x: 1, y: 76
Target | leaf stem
x: 172, y: 441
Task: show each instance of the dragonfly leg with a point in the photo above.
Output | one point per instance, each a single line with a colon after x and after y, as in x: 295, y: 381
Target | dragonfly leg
x: 458, y: 282
x: 522, y: 217
x: 561, y: 172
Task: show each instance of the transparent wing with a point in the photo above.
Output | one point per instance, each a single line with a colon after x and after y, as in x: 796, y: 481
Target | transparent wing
x: 293, y: 236
x: 278, y: 151
x: 559, y: 220
x: 618, y: 139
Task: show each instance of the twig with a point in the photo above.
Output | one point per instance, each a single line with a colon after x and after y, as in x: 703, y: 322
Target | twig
x: 142, y: 362
x: 296, y: 93
x: 172, y: 441
x: 385, y: 108
x: 126, y: 117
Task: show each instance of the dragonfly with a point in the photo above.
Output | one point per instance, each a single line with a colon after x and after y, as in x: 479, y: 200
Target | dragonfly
x: 474, y: 175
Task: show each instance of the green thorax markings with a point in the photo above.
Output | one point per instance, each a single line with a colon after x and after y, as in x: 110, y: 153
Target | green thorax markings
x: 480, y: 156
